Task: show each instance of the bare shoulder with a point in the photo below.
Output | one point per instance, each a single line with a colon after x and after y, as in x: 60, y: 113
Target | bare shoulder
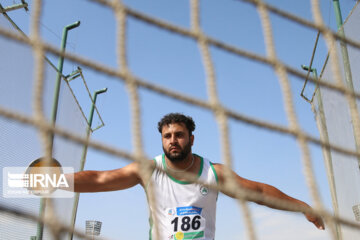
x: 142, y: 169
x: 219, y: 169
x: 217, y: 166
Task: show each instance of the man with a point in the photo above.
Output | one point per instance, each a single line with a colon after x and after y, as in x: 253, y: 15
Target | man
x: 183, y: 210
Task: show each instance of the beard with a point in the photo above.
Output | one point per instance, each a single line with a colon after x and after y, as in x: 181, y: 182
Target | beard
x: 178, y: 156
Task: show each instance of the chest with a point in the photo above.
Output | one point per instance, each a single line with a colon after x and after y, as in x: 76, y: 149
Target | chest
x: 170, y: 192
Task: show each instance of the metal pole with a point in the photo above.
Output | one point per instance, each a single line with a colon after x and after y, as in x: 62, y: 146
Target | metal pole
x: 344, y: 51
x: 11, y: 21
x: 40, y: 226
x: 345, y: 57
x: 60, y: 69
x: 14, y: 7
x: 348, y: 76
x: 83, y: 157
x: 321, y: 122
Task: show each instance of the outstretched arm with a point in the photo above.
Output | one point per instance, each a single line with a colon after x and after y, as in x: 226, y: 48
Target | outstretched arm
x: 270, y: 191
x: 102, y: 181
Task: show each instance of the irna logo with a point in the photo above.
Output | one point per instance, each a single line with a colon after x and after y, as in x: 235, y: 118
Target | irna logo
x: 37, y: 181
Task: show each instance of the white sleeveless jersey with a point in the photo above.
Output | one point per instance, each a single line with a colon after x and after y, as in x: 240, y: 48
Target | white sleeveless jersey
x: 183, y: 210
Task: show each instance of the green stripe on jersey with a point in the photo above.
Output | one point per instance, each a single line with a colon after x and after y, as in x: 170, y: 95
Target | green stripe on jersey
x: 216, y: 176
x: 183, y: 182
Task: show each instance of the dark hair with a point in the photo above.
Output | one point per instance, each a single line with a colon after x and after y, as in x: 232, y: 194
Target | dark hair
x: 177, y: 118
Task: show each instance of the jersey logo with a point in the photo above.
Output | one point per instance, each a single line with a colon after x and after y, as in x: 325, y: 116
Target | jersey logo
x: 204, y: 190
x: 179, y: 235
x: 171, y: 212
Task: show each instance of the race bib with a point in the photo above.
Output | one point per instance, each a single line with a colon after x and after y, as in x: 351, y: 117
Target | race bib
x: 186, y: 223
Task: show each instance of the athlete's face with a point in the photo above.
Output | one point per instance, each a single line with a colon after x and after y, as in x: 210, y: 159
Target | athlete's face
x: 176, y: 141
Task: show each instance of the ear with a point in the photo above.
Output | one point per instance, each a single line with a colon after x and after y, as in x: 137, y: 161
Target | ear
x: 192, y: 139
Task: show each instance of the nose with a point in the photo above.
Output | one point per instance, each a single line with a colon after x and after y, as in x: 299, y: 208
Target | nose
x: 173, y: 139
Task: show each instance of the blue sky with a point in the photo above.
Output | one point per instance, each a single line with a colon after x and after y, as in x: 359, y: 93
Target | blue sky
x: 175, y: 62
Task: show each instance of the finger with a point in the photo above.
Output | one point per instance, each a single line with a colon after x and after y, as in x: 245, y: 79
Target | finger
x: 319, y: 224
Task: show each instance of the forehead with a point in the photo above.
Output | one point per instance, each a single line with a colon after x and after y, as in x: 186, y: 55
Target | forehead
x: 174, y: 127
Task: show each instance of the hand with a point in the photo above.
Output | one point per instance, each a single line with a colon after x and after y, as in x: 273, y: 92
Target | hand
x: 317, y: 221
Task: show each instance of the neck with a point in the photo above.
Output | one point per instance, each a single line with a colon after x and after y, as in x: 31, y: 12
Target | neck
x: 181, y: 166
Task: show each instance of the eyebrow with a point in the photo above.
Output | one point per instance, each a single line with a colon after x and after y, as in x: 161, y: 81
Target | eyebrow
x: 177, y: 132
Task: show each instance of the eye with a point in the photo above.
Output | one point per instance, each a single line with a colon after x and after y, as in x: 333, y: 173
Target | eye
x: 166, y: 136
x: 179, y: 134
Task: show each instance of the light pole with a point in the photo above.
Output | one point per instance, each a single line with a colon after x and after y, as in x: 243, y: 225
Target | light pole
x: 93, y: 228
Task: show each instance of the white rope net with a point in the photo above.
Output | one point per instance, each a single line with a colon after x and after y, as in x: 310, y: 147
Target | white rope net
x: 222, y: 114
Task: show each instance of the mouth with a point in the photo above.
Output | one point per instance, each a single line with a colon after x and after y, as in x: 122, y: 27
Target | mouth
x: 174, y: 148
